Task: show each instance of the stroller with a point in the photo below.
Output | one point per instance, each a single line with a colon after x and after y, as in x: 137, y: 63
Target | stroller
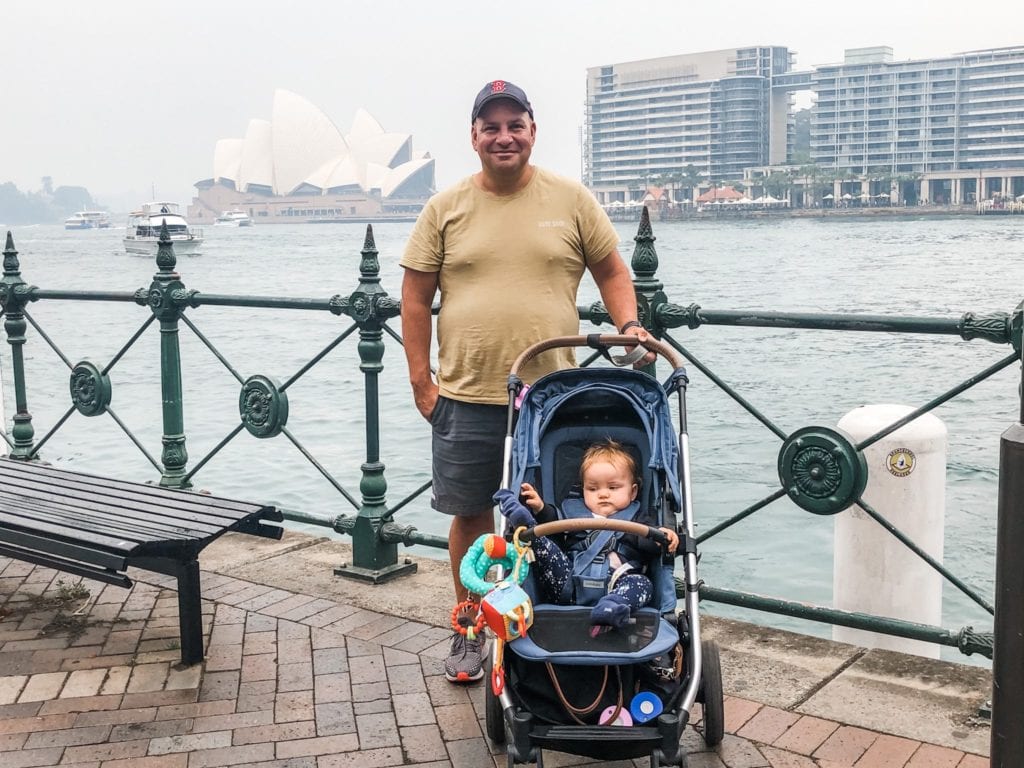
x: 558, y: 683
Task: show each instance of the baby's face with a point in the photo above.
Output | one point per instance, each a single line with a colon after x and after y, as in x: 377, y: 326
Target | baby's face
x: 607, y: 488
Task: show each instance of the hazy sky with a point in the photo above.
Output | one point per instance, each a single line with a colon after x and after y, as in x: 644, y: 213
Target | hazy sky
x: 126, y: 98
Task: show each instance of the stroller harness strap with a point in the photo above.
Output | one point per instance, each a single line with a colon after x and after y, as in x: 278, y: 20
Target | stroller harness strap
x: 591, y: 572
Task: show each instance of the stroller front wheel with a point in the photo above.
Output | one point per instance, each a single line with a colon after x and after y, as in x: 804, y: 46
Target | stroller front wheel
x: 494, y: 714
x: 711, y: 695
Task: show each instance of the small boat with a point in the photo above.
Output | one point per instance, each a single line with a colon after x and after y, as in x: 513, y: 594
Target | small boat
x: 142, y: 235
x: 233, y: 218
x: 88, y: 220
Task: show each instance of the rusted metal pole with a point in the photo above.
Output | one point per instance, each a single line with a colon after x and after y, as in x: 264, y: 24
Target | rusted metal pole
x: 1007, y: 747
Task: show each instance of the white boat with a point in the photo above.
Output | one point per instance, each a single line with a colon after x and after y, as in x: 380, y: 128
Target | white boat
x: 142, y: 235
x: 233, y: 218
x: 88, y: 220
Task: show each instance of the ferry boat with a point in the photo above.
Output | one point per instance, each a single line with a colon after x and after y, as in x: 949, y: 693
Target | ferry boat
x: 88, y: 220
x: 233, y: 218
x: 142, y: 235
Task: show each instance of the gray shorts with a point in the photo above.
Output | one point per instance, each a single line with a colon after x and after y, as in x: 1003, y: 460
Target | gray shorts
x: 467, y: 444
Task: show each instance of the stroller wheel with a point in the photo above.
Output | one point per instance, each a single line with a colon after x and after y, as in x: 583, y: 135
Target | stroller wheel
x: 710, y: 695
x: 494, y: 715
x: 656, y: 762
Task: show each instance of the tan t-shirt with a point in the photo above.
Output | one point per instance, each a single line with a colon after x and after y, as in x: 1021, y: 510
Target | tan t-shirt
x: 509, y: 270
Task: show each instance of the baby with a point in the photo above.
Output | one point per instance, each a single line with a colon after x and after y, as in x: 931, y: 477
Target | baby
x: 610, y: 487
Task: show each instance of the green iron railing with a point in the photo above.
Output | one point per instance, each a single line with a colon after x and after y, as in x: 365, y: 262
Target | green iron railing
x: 806, y: 455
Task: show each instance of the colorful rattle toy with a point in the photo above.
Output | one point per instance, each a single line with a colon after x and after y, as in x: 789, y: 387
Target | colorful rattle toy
x: 505, y: 607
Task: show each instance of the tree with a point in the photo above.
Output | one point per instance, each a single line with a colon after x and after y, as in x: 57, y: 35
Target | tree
x: 816, y: 181
x: 778, y: 184
x: 47, y: 185
x: 690, y: 179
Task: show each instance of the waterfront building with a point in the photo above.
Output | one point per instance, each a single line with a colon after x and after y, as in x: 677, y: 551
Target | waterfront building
x: 299, y: 167
x: 945, y: 130
x: 714, y: 113
x: 953, y: 125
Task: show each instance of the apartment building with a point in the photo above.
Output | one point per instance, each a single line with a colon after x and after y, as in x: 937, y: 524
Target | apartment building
x: 945, y: 130
x: 647, y: 121
x: 954, y: 123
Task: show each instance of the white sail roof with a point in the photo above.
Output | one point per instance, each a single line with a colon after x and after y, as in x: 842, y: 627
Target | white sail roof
x: 416, y: 173
x: 336, y: 172
x: 304, y: 139
x: 257, y: 156
x: 227, y: 159
x: 300, y: 147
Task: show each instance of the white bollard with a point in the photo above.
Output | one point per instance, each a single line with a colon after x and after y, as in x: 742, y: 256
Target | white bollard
x: 873, y: 571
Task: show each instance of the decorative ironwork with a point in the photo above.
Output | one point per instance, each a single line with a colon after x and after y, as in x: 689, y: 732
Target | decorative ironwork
x: 969, y: 642
x: 645, y: 257
x: 994, y: 327
x: 90, y: 389
x: 675, y: 316
x: 821, y: 470
x: 263, y: 406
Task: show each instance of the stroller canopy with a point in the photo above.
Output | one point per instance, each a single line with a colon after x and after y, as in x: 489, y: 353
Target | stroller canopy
x: 615, y: 401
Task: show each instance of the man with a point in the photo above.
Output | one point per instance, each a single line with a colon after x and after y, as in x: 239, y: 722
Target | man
x: 507, y: 248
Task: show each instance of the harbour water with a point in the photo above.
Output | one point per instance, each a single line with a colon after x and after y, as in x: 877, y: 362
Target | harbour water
x: 925, y: 267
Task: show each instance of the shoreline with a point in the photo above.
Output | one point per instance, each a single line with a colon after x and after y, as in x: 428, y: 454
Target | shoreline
x: 944, y: 211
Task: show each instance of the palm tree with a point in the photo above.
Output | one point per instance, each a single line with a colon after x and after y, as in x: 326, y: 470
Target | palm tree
x: 690, y: 179
x: 815, y: 181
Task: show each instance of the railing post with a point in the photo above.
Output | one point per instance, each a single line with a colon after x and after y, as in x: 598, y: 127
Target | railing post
x: 649, y: 295
x: 15, y: 293
x: 1007, y: 745
x: 373, y: 559
x: 162, y: 302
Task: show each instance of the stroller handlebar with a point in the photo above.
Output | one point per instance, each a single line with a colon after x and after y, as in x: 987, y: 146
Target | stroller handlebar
x: 612, y: 340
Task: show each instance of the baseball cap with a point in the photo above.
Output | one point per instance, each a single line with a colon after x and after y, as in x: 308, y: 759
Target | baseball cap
x: 500, y: 89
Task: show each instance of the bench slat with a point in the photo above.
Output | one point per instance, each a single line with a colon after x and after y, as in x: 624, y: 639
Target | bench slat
x: 103, y: 513
x: 52, y: 543
x: 153, y: 494
x: 179, y: 504
x: 80, y: 522
x: 89, y: 572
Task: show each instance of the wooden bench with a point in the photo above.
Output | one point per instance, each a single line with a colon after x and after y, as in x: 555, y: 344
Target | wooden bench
x: 97, y: 527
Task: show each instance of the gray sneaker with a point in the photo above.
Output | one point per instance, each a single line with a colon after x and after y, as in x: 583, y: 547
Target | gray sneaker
x: 465, y: 662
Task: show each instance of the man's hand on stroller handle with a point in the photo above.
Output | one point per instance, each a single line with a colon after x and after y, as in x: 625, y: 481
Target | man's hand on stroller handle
x: 641, y: 333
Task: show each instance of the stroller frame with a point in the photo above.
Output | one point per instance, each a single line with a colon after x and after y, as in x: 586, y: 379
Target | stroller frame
x: 511, y: 721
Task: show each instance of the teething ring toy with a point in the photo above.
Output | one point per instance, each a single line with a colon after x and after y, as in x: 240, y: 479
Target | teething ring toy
x: 468, y: 609
x: 484, y: 553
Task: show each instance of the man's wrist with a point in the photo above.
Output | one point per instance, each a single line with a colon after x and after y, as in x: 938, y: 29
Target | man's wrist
x: 630, y: 324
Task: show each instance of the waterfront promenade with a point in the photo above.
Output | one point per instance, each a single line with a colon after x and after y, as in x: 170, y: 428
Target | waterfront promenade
x: 308, y: 670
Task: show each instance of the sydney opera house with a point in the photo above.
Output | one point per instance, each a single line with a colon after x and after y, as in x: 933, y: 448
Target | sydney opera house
x: 299, y: 167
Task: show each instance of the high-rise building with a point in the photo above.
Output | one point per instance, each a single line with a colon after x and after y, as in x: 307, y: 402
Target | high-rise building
x: 947, y: 129
x: 952, y: 121
x: 715, y: 111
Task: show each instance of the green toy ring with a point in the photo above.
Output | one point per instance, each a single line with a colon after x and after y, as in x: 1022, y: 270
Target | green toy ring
x: 477, y: 562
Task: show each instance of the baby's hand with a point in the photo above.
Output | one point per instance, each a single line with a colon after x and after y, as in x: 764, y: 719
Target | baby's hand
x: 673, y: 539
x: 531, y: 498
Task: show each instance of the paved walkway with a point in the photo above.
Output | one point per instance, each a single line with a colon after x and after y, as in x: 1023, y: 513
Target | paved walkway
x: 88, y: 678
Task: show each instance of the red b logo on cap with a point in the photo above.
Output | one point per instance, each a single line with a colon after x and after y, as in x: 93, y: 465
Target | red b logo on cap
x: 497, y: 86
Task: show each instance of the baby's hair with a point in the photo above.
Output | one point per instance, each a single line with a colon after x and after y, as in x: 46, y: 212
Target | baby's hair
x: 612, y: 452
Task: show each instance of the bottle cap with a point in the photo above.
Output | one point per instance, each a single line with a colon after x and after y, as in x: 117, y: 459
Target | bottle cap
x: 645, y: 706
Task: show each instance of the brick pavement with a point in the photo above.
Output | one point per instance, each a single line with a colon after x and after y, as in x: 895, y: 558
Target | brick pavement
x: 89, y: 678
